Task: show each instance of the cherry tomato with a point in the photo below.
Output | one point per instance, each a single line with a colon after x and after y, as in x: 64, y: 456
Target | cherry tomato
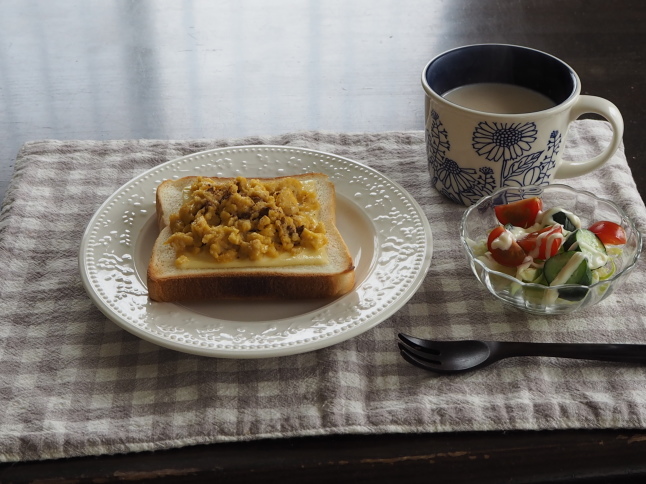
x: 609, y: 233
x: 509, y: 253
x: 543, y: 244
x: 521, y: 213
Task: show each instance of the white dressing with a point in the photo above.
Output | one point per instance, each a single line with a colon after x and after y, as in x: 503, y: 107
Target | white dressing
x: 595, y: 257
x: 503, y: 241
x: 547, y: 217
x: 519, y: 232
x: 568, y: 269
x: 546, y: 239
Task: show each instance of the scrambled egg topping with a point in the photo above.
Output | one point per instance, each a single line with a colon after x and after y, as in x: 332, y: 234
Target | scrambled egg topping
x: 246, y: 219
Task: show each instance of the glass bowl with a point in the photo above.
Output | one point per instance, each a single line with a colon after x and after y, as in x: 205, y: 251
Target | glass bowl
x: 479, y: 219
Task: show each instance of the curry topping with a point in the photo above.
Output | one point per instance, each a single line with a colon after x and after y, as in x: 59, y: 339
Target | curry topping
x: 246, y: 219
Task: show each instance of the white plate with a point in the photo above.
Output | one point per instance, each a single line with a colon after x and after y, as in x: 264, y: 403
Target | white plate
x: 385, y: 229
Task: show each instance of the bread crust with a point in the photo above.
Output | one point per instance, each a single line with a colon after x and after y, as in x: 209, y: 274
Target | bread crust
x: 166, y: 283
x: 250, y: 286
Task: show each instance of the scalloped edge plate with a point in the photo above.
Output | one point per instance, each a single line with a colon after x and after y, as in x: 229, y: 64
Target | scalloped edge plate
x: 385, y: 229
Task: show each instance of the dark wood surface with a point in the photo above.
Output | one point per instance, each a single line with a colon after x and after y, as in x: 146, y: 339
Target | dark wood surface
x: 592, y: 457
x: 117, y: 69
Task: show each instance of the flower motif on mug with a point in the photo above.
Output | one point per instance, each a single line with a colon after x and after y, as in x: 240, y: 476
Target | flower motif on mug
x: 454, y: 177
x: 503, y: 141
x: 507, y: 144
x: 485, y: 184
x: 437, y: 141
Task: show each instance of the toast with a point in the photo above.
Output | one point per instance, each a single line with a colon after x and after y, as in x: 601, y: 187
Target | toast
x: 170, y: 280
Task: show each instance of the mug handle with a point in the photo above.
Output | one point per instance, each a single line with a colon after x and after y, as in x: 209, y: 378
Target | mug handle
x: 603, y: 107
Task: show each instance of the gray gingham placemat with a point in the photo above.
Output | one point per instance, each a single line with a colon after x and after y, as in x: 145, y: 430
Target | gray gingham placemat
x: 73, y: 383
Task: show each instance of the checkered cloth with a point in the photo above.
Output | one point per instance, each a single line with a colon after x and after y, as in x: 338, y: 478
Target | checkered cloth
x: 73, y: 383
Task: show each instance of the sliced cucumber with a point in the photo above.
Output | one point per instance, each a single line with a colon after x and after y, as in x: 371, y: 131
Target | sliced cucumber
x: 587, y: 242
x: 565, y: 219
x: 531, y: 274
x: 568, y: 268
x: 573, y: 293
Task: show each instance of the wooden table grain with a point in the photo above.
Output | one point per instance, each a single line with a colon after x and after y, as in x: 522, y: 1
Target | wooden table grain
x: 172, y: 69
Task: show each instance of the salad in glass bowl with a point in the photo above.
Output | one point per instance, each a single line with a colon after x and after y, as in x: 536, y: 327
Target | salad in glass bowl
x: 549, y: 249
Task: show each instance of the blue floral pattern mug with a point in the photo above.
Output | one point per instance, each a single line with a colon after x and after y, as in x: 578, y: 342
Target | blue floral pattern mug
x: 484, y: 133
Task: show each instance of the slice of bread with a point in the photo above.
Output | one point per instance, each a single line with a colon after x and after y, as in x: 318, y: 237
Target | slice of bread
x: 167, y: 282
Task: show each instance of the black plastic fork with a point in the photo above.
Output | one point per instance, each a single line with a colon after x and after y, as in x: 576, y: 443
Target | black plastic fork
x: 464, y: 355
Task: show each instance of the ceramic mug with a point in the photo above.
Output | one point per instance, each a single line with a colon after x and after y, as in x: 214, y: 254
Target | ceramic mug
x: 498, y: 115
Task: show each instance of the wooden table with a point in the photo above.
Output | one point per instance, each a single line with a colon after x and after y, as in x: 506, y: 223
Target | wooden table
x: 116, y: 69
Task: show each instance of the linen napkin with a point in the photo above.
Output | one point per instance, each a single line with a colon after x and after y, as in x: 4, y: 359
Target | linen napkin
x: 73, y: 383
